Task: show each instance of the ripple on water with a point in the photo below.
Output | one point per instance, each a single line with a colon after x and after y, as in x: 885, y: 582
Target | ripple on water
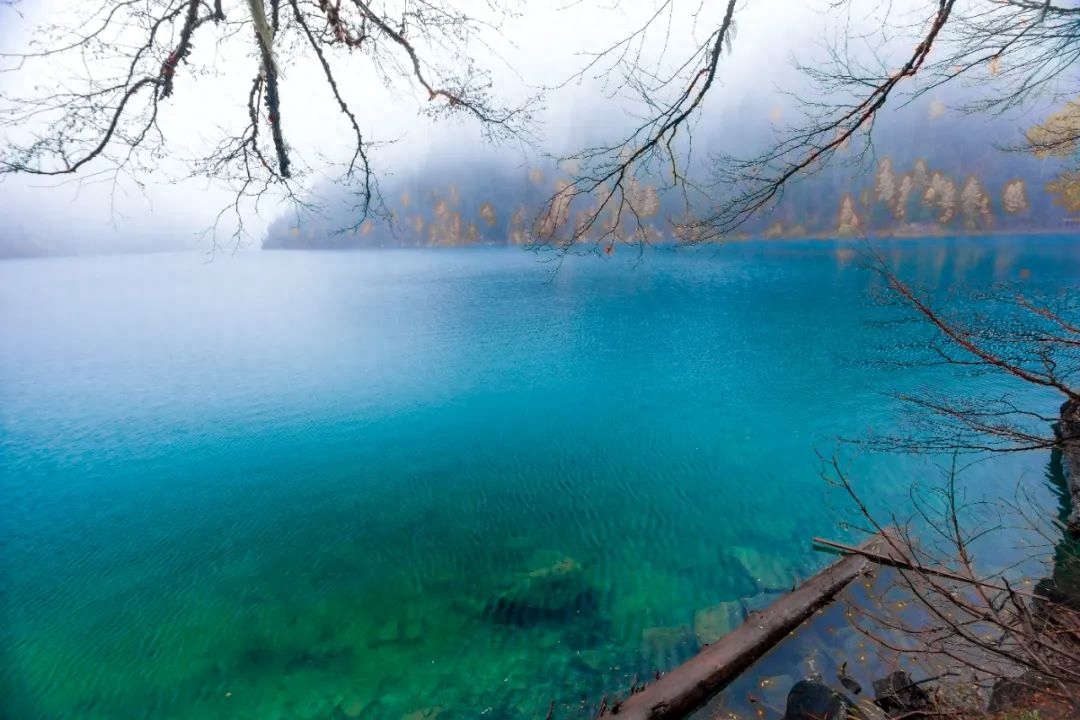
x: 417, y: 484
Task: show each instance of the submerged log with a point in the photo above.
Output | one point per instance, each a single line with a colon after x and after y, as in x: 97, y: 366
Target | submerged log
x: 687, y: 687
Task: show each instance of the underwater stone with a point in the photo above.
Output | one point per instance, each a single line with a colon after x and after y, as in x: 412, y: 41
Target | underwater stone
x: 552, y: 594
x: 350, y: 711
x: 898, y: 694
x: 397, y: 632
x: 590, y: 662
x: 757, y: 603
x: 387, y: 633
x: 810, y: 700
x: 665, y: 647
x: 428, y: 713
x: 549, y: 639
x: 586, y: 633
x: 767, y: 571
x: 850, y: 684
x: 355, y: 703
x: 714, y: 623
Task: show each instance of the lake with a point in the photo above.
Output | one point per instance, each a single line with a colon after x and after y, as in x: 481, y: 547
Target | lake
x: 400, y: 484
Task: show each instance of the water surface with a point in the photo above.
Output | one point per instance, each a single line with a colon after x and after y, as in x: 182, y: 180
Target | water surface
x: 317, y: 485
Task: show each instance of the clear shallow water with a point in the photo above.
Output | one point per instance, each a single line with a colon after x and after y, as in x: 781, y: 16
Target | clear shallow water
x: 290, y: 485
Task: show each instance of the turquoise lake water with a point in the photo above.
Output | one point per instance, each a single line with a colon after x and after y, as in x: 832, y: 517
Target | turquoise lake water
x: 404, y: 484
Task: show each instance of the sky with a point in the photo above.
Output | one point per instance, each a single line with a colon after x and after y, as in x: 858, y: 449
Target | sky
x: 537, y: 48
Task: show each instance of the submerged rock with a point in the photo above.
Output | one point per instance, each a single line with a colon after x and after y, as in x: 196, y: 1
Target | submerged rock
x: 665, y: 647
x: 397, y: 631
x: 898, y: 694
x: 385, y: 634
x: 591, y: 664
x: 713, y: 623
x: 548, y: 638
x: 810, y: 700
x: 1016, y: 693
x: 429, y: 713
x: 850, y: 684
x: 551, y: 594
x: 757, y: 603
x: 590, y: 632
x: 353, y: 705
x: 767, y: 571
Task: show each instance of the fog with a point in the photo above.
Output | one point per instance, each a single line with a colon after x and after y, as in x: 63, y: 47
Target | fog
x: 535, y: 51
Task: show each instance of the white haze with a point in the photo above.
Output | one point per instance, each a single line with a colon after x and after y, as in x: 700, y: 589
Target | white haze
x: 544, y: 45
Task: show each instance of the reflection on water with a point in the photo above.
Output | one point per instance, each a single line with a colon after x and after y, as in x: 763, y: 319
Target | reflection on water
x: 409, y: 484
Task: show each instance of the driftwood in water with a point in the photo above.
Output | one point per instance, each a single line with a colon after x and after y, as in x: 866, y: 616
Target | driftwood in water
x: 684, y: 689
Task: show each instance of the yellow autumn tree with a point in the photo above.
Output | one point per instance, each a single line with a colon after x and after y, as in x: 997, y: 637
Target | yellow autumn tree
x: 847, y: 221
x: 557, y: 211
x: 582, y: 222
x: 975, y: 204
x: 519, y: 234
x: 775, y: 230
x: 1066, y: 190
x: 1057, y: 135
x: 416, y: 223
x: 941, y: 195
x: 1014, y: 197
x: 920, y: 175
x: 643, y: 199
x: 885, y: 182
x: 445, y: 227
x: 687, y: 229
x: 907, y: 184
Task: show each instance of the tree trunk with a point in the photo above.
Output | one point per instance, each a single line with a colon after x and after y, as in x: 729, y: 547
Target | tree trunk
x: 1068, y: 435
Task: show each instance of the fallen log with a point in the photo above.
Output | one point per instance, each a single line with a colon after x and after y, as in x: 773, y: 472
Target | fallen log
x: 891, y: 559
x: 687, y: 687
